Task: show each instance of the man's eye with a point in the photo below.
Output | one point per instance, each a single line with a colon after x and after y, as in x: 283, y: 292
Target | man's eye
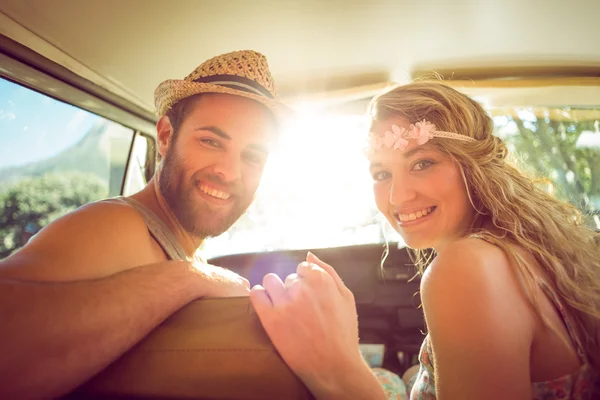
x: 254, y: 159
x: 381, y: 175
x: 211, y: 142
x: 422, y: 165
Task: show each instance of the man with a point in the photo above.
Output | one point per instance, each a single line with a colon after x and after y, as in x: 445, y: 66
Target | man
x: 90, y: 285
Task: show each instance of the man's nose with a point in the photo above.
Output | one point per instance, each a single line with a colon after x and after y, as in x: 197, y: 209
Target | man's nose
x: 228, y: 168
x: 401, y: 190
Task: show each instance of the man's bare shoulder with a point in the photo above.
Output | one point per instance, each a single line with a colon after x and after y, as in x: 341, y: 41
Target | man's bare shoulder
x: 96, y: 240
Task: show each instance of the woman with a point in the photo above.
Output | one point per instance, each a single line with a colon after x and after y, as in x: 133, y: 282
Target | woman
x: 511, y: 297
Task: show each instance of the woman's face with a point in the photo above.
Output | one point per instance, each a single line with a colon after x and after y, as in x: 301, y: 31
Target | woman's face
x: 420, y: 191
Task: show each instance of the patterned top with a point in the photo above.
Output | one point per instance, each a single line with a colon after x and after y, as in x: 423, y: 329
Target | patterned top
x: 580, y: 385
x: 392, y: 385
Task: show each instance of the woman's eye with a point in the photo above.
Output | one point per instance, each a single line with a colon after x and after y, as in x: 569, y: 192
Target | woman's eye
x: 422, y: 165
x: 380, y: 176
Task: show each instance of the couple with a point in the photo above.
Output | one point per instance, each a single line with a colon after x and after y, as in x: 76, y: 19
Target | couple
x: 511, y: 299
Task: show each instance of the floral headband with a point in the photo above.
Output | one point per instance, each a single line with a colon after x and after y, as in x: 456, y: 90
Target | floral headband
x: 422, y: 131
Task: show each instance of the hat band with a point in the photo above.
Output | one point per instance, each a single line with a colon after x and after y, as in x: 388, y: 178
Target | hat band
x: 236, y: 82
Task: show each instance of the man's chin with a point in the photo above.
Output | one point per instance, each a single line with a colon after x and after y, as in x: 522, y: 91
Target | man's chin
x: 207, y: 234
x: 210, y: 220
x: 204, y: 230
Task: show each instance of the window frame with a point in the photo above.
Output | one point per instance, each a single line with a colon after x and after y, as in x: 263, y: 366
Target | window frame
x: 150, y: 158
x: 29, y: 69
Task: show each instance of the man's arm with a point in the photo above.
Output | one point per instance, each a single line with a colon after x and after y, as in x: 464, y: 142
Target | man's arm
x: 57, y: 335
x: 70, y: 304
x: 95, y: 241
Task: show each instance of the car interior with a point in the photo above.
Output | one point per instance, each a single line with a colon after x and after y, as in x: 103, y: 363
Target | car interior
x: 77, y: 121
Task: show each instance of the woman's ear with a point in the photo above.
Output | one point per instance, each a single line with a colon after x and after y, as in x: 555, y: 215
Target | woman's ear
x: 164, y: 135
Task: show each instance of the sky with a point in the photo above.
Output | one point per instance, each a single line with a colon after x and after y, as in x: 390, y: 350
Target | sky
x: 35, y: 127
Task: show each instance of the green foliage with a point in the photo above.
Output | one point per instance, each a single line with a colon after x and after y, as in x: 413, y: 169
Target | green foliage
x: 42, y: 199
x: 548, y: 149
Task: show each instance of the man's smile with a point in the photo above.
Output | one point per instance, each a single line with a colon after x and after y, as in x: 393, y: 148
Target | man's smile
x: 214, y: 192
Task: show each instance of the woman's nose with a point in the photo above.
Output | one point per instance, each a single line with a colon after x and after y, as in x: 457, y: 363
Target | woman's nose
x: 401, y: 191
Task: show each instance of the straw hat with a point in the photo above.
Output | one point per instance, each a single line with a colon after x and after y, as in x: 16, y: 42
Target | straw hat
x: 242, y: 73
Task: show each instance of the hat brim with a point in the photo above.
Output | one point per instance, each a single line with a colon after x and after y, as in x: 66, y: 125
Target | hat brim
x: 171, y: 91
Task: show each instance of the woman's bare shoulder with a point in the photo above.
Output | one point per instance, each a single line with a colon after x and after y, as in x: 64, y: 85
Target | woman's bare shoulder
x: 468, y: 258
x: 474, y: 280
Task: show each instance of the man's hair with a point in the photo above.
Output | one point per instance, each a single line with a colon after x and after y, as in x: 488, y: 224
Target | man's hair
x: 177, y: 114
x: 180, y: 110
x: 551, y: 230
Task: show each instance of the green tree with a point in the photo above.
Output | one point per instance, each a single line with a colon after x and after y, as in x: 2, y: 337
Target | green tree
x: 547, y: 147
x: 40, y: 200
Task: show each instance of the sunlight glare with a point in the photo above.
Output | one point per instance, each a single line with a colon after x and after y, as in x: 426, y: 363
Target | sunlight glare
x: 316, y: 191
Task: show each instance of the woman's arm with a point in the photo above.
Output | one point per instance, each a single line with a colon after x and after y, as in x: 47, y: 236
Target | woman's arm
x: 480, y: 324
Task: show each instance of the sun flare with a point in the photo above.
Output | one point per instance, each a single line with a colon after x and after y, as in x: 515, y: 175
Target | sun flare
x: 316, y: 191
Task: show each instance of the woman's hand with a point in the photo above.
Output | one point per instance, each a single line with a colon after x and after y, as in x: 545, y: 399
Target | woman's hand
x: 312, y: 321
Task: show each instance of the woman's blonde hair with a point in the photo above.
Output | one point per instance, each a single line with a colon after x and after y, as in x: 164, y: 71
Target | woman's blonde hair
x: 529, y: 218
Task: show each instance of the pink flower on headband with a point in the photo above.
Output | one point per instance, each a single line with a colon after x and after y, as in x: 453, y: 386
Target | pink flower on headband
x: 401, y: 144
x: 400, y: 132
x: 389, y: 139
x: 400, y: 135
x: 422, y: 131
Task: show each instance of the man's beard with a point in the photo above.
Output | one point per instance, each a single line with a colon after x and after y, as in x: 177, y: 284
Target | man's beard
x: 197, y: 217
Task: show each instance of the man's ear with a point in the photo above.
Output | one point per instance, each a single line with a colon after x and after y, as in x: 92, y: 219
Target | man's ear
x: 164, y: 135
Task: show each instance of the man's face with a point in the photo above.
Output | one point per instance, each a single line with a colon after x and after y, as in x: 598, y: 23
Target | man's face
x: 213, y: 166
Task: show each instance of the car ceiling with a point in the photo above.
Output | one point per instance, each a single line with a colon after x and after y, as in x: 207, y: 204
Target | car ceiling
x: 314, y: 47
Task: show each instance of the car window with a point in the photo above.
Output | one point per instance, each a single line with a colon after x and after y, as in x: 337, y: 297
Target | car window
x: 316, y: 190
x: 53, y: 158
x: 141, y: 164
x: 560, y: 149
